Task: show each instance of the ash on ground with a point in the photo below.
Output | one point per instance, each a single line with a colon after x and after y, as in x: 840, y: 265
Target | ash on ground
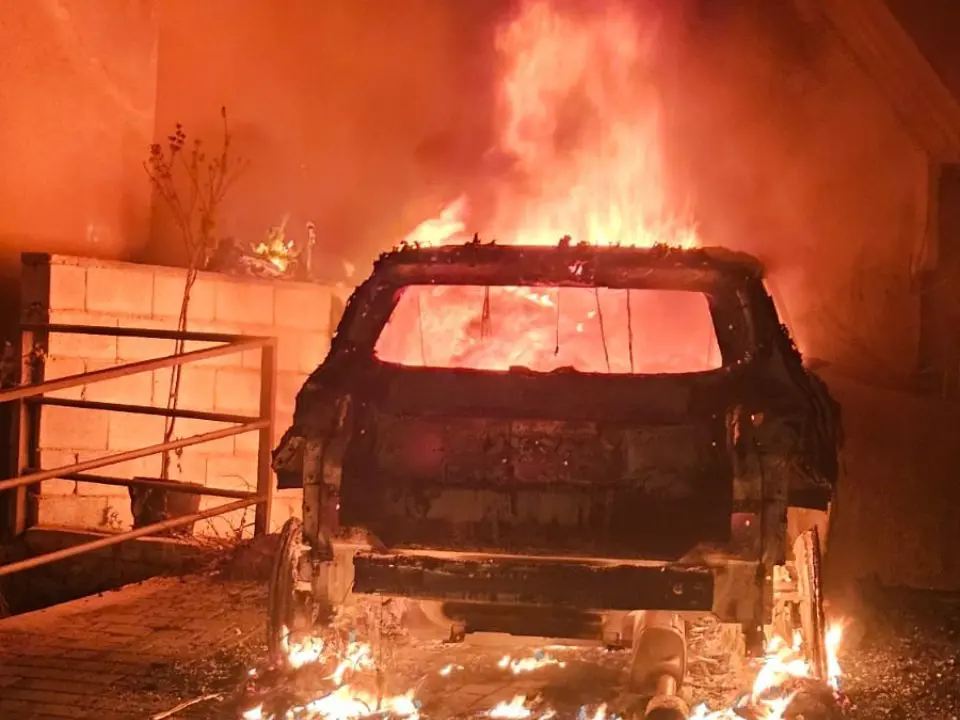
x: 903, y: 662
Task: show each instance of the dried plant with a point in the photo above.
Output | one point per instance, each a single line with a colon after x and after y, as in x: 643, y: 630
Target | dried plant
x: 193, y: 186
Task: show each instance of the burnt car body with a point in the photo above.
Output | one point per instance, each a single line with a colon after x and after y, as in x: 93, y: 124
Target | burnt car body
x: 549, y: 503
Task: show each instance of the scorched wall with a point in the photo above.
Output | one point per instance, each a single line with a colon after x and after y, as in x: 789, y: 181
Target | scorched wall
x: 82, y: 291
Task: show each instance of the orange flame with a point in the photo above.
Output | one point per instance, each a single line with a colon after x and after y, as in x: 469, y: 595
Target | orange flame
x: 784, y: 661
x: 580, y: 119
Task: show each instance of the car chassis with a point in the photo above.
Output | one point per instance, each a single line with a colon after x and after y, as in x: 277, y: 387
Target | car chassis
x: 779, y: 444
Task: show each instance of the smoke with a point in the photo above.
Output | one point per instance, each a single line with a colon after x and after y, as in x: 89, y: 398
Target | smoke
x: 360, y: 117
x: 790, y: 152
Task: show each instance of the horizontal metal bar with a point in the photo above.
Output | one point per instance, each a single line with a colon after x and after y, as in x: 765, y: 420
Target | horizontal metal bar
x: 131, y: 454
x: 158, y: 484
x: 144, y: 410
x: 170, y: 524
x: 125, y: 370
x: 141, y: 333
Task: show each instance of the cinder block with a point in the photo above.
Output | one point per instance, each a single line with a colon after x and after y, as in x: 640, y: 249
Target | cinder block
x: 185, y: 427
x: 59, y: 487
x: 188, y: 466
x: 238, y: 391
x: 77, y: 428
x: 288, y: 351
x: 251, y: 359
x: 142, y: 467
x: 303, y: 307
x: 249, y: 443
x: 120, y: 290
x: 313, y: 351
x: 232, y: 359
x: 339, y: 297
x: 228, y: 360
x: 168, y: 297
x: 288, y: 385
x: 129, y: 431
x: 55, y: 368
x: 90, y: 513
x: 234, y: 472
x: 244, y: 302
x: 68, y: 345
x: 68, y: 287
x: 285, y: 505
x: 300, y: 351
x: 197, y: 387
x: 135, y: 389
x: 132, y: 349
x: 232, y: 526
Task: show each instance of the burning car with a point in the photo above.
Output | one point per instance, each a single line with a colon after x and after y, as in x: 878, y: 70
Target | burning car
x: 568, y: 441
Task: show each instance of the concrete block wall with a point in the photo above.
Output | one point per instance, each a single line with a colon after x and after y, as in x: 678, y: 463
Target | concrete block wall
x: 73, y: 290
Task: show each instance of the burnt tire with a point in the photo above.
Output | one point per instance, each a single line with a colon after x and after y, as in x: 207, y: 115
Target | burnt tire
x: 285, y: 612
x: 812, y: 622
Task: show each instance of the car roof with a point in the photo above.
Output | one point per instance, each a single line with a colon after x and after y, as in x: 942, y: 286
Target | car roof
x: 719, y: 260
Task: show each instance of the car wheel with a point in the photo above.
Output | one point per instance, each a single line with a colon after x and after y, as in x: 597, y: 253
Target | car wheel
x: 288, y: 607
x: 798, y: 601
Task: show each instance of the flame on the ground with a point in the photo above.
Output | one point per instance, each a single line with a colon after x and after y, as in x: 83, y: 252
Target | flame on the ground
x: 784, y: 661
x: 508, y: 710
x: 344, y: 702
x: 528, y: 664
x: 834, y: 637
x: 768, y: 699
x: 519, y: 708
x: 301, y: 652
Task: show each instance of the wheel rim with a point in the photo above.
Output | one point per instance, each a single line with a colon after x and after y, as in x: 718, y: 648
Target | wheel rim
x: 281, y: 603
x: 809, y: 561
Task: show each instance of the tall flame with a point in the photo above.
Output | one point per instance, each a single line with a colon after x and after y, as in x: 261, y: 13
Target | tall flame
x: 580, y: 118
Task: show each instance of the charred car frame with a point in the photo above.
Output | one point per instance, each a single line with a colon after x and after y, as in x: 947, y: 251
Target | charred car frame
x: 564, y: 503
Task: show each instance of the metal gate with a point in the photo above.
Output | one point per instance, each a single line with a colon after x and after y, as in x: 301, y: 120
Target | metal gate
x: 31, y: 395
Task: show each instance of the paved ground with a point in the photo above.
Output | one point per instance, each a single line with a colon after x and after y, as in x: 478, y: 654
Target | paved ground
x: 118, y: 655
x: 142, y: 650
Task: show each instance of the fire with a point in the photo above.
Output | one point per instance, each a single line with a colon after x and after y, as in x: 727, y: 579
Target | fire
x: 580, y: 119
x: 514, y: 709
x: 343, y: 701
x: 277, y: 250
x: 522, y: 665
x: 784, y: 661
x: 833, y: 639
x: 349, y: 696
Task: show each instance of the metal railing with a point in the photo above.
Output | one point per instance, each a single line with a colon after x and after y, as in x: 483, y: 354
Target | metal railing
x: 31, y: 395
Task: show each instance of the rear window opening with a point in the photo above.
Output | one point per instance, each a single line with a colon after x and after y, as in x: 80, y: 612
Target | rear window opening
x: 590, y: 330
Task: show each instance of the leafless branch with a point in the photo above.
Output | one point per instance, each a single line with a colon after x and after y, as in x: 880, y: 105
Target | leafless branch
x: 193, y: 189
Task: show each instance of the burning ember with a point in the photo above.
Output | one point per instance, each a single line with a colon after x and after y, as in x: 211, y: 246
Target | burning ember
x: 342, y: 701
x: 277, y: 250
x: 773, y: 691
x: 527, y: 664
x: 351, y: 686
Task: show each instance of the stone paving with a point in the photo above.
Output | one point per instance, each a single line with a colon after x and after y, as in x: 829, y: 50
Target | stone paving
x: 142, y: 650
x: 110, y: 656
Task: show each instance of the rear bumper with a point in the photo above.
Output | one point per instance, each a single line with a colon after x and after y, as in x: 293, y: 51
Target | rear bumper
x: 576, y: 585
